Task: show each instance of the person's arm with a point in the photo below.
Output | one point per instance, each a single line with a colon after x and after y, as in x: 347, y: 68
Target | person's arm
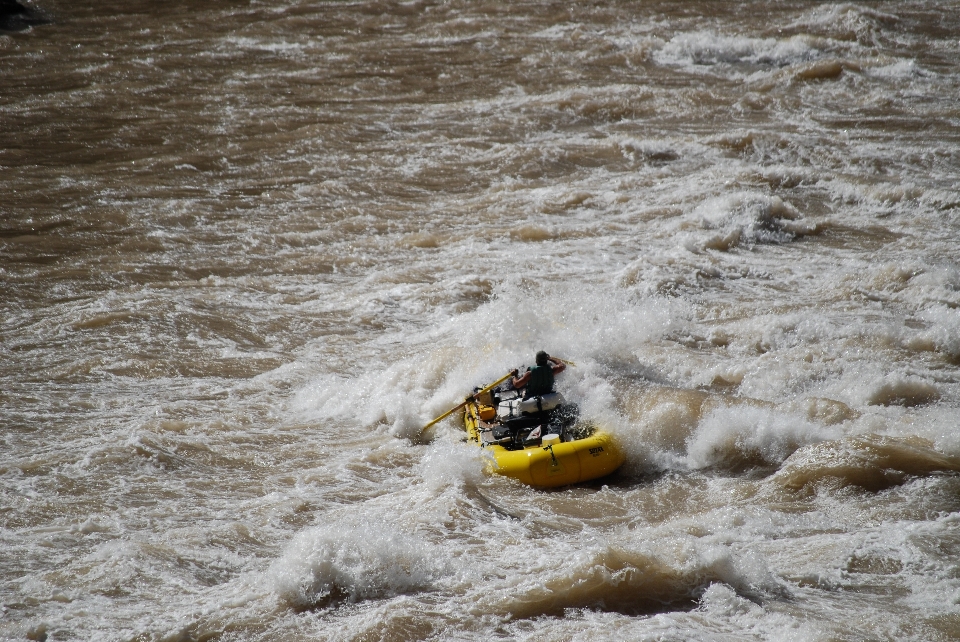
x: 558, y: 366
x: 519, y: 382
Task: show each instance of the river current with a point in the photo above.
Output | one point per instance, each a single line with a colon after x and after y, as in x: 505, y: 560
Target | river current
x: 249, y: 248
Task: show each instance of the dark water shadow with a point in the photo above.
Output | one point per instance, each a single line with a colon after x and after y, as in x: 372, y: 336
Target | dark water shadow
x: 16, y: 17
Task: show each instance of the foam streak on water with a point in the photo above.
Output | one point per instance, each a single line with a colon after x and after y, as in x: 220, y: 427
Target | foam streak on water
x: 248, y: 249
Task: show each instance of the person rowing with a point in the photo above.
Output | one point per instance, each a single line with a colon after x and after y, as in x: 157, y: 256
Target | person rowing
x: 538, y: 380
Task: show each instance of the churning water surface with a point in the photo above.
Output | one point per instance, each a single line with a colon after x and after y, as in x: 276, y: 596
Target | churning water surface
x: 248, y: 249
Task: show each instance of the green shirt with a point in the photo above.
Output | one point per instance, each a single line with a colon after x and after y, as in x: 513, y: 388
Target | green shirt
x: 541, y: 381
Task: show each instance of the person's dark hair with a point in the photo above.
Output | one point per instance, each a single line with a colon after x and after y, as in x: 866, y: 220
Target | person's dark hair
x: 542, y: 358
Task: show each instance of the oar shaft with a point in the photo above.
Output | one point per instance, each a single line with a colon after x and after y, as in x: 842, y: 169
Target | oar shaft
x: 447, y: 413
x: 468, y: 400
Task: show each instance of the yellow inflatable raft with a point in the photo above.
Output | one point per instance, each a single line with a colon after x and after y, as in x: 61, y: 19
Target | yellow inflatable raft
x: 551, y: 460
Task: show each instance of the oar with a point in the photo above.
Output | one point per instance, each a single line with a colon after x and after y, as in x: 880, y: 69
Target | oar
x: 566, y: 361
x: 467, y: 400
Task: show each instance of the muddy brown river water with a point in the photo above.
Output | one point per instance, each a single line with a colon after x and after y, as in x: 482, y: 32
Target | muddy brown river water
x: 249, y: 248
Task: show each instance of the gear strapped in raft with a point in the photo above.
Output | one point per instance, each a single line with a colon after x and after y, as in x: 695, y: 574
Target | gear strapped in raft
x: 538, y: 440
